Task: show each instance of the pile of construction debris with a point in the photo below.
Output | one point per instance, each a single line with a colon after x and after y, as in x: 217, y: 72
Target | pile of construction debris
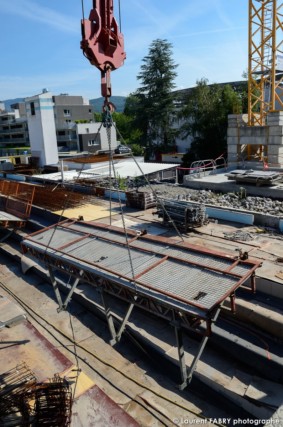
x: 238, y: 200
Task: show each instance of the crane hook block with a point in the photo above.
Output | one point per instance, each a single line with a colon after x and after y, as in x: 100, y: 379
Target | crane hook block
x: 102, y: 42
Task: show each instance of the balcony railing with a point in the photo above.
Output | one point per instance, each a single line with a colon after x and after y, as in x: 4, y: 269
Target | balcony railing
x: 67, y: 138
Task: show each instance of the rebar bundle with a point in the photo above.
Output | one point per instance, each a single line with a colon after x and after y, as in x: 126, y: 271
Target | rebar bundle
x: 24, y: 402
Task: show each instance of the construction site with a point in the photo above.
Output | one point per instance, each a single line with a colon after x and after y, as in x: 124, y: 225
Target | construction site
x: 129, y: 299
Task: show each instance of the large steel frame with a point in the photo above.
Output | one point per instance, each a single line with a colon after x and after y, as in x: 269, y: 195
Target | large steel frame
x: 182, y: 283
x: 265, y: 72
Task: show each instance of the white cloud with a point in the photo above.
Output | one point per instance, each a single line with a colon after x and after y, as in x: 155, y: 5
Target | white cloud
x: 208, y: 32
x: 31, y: 10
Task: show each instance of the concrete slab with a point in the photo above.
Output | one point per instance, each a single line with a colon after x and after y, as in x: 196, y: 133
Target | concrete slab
x: 10, y: 313
x: 79, y: 382
x: 24, y: 343
x: 220, y: 182
x: 216, y: 371
x: 95, y: 408
x: 265, y: 391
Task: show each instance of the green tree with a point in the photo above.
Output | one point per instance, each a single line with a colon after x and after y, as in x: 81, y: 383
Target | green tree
x: 127, y: 132
x: 154, y: 100
x: 205, y: 119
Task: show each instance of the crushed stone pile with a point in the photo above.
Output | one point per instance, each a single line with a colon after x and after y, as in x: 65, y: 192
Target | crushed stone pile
x: 236, y: 200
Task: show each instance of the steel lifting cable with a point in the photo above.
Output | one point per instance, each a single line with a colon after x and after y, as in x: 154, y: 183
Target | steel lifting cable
x: 108, y: 123
x: 83, y: 9
x: 65, y: 204
x: 150, y: 186
x: 120, y: 19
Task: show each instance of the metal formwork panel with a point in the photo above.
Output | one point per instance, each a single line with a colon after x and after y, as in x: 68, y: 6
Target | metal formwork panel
x: 111, y: 256
x: 106, y: 234
x: 187, y: 255
x: 191, y: 283
x: 56, y: 237
x: 172, y: 273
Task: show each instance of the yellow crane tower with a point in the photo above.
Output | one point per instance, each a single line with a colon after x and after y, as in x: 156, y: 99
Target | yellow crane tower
x: 265, y: 72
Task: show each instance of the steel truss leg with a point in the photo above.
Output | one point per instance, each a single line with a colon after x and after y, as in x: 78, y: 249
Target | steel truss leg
x: 63, y: 305
x: 181, y: 354
x: 55, y: 287
x: 116, y: 336
x: 71, y: 291
x: 186, y: 374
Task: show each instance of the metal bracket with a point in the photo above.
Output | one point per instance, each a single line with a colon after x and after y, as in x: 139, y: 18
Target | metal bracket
x: 116, y: 335
x: 54, y: 282
x: 186, y: 374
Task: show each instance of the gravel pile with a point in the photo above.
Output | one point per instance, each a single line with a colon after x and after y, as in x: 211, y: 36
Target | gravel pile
x: 230, y: 200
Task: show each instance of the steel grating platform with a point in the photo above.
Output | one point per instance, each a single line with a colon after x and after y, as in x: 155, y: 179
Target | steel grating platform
x: 172, y: 279
x: 192, y: 279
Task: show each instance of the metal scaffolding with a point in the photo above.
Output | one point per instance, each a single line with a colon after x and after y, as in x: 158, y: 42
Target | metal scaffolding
x: 184, y: 284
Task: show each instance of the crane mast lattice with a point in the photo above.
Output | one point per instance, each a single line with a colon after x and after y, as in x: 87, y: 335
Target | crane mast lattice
x: 265, y: 72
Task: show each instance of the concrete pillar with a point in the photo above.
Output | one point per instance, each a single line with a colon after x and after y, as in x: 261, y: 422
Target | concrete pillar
x: 42, y: 131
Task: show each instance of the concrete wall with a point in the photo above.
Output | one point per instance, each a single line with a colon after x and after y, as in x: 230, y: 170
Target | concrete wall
x: 70, y: 113
x: 269, y: 137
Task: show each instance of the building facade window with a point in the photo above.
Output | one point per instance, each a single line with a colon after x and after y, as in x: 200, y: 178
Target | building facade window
x: 67, y: 113
x: 92, y: 142
x: 32, y: 109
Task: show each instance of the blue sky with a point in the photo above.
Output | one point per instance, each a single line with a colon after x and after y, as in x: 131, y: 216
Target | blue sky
x: 40, y: 44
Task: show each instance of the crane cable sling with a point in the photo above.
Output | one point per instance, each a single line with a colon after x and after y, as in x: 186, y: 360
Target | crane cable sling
x: 83, y: 10
x: 66, y: 200
x: 152, y: 189
x: 107, y: 123
x: 120, y: 18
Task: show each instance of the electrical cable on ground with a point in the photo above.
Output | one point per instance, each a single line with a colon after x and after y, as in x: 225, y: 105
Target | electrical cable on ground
x: 33, y: 313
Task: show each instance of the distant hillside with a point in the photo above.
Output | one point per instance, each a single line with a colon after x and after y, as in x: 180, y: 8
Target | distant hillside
x: 118, y: 101
x: 8, y: 102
